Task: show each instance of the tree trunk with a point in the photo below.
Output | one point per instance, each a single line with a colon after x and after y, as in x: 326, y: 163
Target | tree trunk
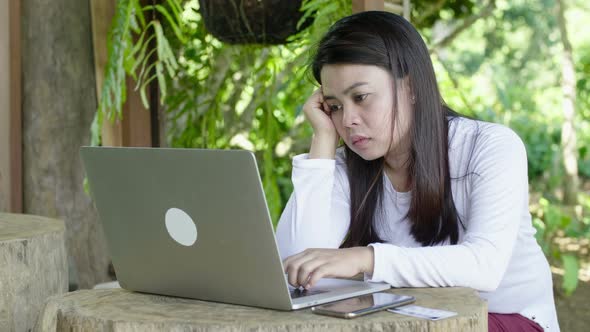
x: 59, y: 101
x: 568, y: 133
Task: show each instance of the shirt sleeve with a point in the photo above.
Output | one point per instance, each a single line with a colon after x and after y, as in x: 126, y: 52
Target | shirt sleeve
x: 317, y: 214
x: 495, y: 208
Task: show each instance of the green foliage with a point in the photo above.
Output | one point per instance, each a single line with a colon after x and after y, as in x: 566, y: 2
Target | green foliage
x: 425, y: 13
x: 549, y: 219
x: 507, y: 69
x: 555, y: 224
x: 127, y: 57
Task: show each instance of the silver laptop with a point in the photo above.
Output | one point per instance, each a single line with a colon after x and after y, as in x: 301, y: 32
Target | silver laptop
x: 194, y: 223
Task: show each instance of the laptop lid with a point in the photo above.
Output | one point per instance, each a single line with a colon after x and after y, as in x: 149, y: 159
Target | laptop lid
x: 188, y: 223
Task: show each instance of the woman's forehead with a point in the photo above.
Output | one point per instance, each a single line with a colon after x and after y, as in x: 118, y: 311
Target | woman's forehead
x: 337, y: 78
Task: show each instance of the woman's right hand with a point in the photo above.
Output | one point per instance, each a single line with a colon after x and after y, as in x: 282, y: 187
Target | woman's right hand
x: 325, y: 137
x: 318, y: 114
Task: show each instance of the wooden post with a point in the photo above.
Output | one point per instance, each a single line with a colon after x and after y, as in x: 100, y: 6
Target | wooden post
x: 366, y: 5
x: 16, y: 150
x: 11, y: 186
x: 5, y: 157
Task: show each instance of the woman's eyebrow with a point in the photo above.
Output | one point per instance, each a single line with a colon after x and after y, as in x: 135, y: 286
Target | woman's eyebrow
x: 347, y: 90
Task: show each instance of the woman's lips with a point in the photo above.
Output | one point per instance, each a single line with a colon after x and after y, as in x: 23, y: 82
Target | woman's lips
x: 359, y: 141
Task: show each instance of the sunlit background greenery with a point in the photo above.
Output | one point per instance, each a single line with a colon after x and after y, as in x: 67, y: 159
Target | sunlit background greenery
x: 502, y: 66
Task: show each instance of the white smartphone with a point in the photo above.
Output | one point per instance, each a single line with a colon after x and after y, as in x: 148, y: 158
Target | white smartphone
x: 362, y: 305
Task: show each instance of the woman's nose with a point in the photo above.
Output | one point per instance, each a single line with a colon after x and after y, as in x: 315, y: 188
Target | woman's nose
x: 350, y: 116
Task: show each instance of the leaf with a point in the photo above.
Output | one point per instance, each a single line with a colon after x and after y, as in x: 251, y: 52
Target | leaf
x: 140, y: 44
x: 95, y: 128
x: 161, y: 79
x: 142, y: 91
x: 172, y: 22
x: 570, y: 277
x: 308, y: 10
x: 176, y: 8
x: 144, y: 72
x: 139, y: 13
x: 113, y: 90
x: 86, y: 186
x: 165, y: 54
x: 141, y: 58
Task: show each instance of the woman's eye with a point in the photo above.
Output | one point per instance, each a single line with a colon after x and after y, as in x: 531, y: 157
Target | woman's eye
x: 359, y: 98
x: 334, y: 108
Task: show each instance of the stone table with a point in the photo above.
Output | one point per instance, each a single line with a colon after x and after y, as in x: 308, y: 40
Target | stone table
x: 122, y: 310
x: 33, y: 267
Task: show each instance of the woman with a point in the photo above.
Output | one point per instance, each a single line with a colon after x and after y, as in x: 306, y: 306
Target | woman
x: 418, y: 196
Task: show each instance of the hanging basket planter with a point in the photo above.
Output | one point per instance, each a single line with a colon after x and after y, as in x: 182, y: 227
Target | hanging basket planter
x: 252, y: 21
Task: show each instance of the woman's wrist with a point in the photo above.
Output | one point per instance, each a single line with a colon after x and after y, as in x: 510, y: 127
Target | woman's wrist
x: 323, y: 147
x: 366, y: 259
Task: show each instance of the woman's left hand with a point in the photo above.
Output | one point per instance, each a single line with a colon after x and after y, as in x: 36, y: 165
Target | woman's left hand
x: 309, y: 266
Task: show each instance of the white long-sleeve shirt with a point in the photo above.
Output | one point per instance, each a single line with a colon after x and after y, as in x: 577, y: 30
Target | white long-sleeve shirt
x: 497, y: 253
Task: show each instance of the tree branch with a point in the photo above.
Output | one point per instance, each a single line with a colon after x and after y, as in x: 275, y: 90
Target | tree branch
x: 487, y: 11
x: 435, y: 8
x: 462, y: 96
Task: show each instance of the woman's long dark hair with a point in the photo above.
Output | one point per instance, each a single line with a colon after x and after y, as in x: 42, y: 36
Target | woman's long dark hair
x: 390, y: 42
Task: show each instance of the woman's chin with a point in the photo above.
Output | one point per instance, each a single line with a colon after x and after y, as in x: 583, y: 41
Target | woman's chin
x: 367, y: 155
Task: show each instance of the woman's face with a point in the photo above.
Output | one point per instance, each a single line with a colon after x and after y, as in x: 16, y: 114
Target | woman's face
x: 360, y: 98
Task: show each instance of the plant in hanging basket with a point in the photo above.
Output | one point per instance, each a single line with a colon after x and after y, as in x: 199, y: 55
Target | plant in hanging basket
x: 252, y: 21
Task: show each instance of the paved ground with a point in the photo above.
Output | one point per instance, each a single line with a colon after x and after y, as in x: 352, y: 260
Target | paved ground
x: 573, y: 312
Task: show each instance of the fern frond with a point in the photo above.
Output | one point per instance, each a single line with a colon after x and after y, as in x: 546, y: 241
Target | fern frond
x: 126, y: 54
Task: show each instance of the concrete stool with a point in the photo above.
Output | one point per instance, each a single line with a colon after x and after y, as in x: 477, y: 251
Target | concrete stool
x: 33, y: 267
x: 122, y: 310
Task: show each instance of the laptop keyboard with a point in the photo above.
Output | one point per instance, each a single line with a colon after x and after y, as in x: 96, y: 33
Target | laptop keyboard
x: 297, y: 292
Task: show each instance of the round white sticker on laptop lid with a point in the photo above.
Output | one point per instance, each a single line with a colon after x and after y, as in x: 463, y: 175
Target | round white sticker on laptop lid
x: 181, y: 227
